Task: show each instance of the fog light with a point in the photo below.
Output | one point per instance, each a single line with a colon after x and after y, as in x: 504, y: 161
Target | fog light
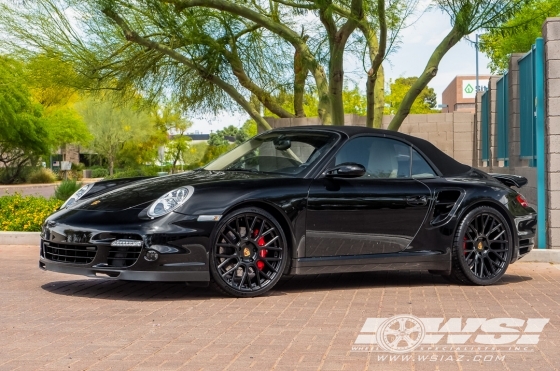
x: 151, y: 256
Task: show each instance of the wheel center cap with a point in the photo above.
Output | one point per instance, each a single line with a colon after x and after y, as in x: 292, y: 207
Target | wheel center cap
x: 246, y: 252
x: 480, y: 245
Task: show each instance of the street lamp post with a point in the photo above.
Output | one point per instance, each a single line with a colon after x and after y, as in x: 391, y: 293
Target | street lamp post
x: 476, y: 46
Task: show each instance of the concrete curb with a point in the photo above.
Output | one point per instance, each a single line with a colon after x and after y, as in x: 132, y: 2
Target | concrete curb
x: 33, y: 238
x: 542, y: 256
x: 20, y: 238
x: 8, y: 187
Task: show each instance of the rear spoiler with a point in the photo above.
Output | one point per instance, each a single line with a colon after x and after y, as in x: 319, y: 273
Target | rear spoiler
x: 510, y: 180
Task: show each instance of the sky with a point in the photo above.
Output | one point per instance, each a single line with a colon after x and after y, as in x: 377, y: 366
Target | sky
x: 417, y: 43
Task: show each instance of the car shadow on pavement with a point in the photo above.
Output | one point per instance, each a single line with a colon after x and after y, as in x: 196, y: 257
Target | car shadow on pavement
x: 370, y: 280
x: 161, y: 291
x: 130, y: 290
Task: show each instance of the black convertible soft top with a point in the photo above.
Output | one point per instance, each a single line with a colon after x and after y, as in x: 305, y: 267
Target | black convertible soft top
x: 446, y: 165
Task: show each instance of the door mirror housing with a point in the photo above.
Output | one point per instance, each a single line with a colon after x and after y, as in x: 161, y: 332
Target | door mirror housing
x: 346, y: 170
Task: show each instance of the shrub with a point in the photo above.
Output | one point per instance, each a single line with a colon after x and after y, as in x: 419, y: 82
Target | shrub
x: 78, y: 167
x: 42, y: 175
x: 66, y: 189
x: 99, y: 173
x: 6, y: 175
x: 25, y: 213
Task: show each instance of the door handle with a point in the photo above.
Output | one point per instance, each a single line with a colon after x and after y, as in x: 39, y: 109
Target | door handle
x: 417, y: 200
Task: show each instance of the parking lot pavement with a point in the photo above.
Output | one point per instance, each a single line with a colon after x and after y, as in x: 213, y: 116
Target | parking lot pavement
x: 50, y: 321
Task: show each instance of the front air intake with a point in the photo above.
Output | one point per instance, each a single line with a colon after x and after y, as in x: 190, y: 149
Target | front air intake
x: 124, y: 252
x: 66, y: 253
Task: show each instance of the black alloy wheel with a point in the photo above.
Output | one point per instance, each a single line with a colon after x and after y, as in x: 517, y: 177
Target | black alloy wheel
x: 249, y: 253
x: 482, y: 248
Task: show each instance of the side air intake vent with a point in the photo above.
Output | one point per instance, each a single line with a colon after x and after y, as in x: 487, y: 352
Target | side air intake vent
x: 445, y: 205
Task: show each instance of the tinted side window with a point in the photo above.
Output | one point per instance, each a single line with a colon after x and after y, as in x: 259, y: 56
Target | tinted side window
x: 420, y: 168
x: 382, y: 157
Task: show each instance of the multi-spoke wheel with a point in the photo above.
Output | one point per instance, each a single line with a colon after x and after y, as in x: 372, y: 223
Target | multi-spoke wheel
x: 483, y: 247
x: 249, y: 253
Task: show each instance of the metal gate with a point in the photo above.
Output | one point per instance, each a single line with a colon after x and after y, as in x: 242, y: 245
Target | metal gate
x: 484, y: 128
x: 532, y: 126
x: 502, y: 127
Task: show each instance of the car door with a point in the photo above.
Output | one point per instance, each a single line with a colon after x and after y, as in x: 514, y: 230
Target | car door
x: 377, y: 213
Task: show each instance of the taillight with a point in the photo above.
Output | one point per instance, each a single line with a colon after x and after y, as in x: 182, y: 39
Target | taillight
x: 522, y: 201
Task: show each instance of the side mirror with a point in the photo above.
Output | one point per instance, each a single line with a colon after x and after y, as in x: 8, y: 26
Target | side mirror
x: 346, y: 170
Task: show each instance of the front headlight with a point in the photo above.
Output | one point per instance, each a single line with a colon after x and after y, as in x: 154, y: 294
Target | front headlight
x: 77, y: 195
x: 170, y: 201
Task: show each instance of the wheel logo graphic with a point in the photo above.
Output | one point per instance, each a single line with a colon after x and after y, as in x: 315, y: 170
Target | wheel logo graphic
x: 401, y: 334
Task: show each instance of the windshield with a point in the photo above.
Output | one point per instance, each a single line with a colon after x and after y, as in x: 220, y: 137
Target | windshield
x: 289, y: 153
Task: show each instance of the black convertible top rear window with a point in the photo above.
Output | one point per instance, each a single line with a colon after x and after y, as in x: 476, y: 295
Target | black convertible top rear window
x: 447, y: 165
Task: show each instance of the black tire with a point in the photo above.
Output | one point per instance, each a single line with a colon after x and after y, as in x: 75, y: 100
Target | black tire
x: 249, y: 253
x: 482, y: 247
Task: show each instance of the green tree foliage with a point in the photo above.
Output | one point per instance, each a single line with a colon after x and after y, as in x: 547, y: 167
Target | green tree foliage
x: 518, y: 34
x: 50, y: 82
x: 170, y: 119
x: 36, y: 116
x: 192, y: 157
x: 223, y: 140
x: 66, y: 126
x: 113, y: 124
x: 426, y: 102
x: 23, y: 135
x: 354, y: 102
x: 216, y: 54
x: 250, y: 128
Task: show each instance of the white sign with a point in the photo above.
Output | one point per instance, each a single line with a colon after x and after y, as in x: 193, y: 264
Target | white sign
x: 65, y: 166
x: 469, y: 88
x: 407, y: 333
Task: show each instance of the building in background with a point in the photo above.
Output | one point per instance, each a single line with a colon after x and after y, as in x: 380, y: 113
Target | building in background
x: 460, y: 94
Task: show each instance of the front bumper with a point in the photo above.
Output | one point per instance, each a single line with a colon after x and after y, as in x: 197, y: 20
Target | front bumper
x: 128, y: 274
x: 173, y: 248
x: 189, y: 263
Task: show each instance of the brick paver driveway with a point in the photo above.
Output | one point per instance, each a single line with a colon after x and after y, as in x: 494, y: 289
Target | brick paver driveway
x: 51, y: 321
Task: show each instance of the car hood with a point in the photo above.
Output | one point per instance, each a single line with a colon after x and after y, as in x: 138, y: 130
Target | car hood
x: 139, y: 195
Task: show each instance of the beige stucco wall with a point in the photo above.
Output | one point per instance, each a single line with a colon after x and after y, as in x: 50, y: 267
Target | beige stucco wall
x: 551, y: 35
x: 453, y: 133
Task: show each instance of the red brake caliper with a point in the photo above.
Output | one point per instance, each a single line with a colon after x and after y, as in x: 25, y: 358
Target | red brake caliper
x: 465, y: 245
x: 262, y: 253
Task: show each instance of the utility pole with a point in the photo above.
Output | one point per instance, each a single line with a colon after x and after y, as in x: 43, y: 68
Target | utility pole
x: 476, y: 46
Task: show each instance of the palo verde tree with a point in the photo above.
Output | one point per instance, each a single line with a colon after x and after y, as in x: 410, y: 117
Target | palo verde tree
x: 212, y: 53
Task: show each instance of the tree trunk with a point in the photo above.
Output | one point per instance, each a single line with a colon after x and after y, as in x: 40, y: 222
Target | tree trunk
x: 300, y: 74
x: 370, y: 100
x: 379, y: 99
x: 111, y: 165
x: 375, y: 92
x: 324, y: 108
x: 336, y: 82
x: 430, y: 71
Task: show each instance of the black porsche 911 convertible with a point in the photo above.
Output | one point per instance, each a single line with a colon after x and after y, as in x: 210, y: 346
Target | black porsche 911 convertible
x: 303, y: 200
